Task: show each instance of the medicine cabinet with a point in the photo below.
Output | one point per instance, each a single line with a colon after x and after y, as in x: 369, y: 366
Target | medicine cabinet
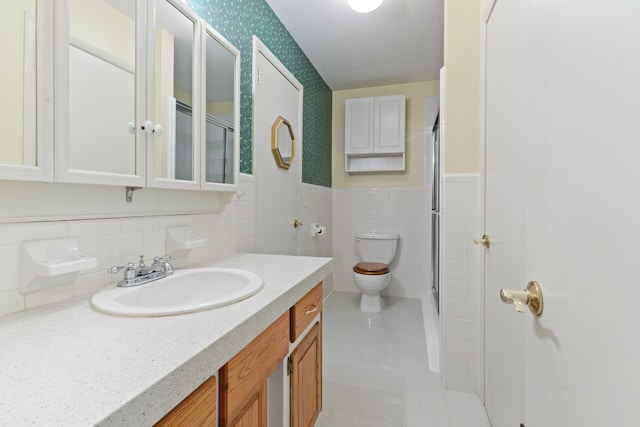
x: 375, y: 134
x: 26, y: 116
x: 146, y: 94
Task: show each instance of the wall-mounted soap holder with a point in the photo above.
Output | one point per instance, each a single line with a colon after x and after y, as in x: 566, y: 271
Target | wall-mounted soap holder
x: 50, y: 263
x: 180, y: 241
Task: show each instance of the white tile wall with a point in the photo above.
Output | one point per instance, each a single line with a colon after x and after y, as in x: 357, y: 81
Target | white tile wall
x: 120, y: 240
x: 343, y: 211
x: 460, y: 282
x: 401, y: 210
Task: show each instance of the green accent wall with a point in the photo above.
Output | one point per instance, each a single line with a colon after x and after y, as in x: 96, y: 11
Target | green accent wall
x: 238, y: 21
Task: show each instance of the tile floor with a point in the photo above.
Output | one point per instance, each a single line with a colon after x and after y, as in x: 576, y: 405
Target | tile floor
x: 376, y: 371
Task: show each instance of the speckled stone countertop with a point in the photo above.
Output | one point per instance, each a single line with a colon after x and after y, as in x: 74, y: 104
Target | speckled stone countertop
x: 69, y: 365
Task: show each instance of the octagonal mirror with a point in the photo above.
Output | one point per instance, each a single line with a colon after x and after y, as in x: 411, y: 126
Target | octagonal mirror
x: 283, y: 142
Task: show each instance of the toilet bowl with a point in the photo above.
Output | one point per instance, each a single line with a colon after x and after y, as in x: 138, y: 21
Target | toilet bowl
x: 372, y: 275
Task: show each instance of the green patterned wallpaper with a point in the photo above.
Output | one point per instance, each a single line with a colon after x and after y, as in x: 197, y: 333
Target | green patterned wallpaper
x: 238, y: 21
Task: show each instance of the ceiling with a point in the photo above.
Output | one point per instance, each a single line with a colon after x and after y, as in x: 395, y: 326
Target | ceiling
x: 400, y: 42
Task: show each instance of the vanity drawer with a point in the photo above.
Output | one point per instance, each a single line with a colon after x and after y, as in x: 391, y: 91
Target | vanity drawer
x: 244, y: 376
x: 305, y: 310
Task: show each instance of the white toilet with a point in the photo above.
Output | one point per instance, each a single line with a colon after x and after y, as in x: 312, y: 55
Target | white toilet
x: 371, y: 275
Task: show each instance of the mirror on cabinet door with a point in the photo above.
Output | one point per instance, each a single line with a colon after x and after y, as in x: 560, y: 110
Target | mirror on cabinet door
x: 173, y: 154
x: 220, y: 161
x: 26, y: 151
x: 97, y: 136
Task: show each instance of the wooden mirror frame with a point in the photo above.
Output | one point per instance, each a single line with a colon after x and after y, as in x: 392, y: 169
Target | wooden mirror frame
x: 282, y: 162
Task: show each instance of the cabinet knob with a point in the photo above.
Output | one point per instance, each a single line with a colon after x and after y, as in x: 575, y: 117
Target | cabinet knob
x: 152, y: 129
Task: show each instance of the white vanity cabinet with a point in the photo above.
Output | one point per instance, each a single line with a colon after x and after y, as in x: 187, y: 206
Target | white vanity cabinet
x: 375, y: 134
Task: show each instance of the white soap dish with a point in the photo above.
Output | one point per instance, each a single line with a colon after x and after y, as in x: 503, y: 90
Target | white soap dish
x: 180, y: 240
x: 50, y: 263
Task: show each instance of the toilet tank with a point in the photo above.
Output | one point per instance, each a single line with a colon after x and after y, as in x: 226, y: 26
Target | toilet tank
x: 377, y: 247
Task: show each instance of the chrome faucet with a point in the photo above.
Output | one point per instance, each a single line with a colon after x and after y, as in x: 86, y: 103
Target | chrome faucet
x: 133, y: 276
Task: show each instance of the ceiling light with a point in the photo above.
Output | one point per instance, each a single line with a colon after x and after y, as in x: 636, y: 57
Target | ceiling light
x: 364, y: 6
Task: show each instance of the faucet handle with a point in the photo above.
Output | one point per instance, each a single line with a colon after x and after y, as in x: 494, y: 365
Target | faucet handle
x: 164, y: 262
x: 159, y: 259
x: 117, y: 268
x: 129, y: 270
x: 141, y: 264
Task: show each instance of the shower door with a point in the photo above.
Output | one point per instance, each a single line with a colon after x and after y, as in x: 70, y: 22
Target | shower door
x: 435, y: 216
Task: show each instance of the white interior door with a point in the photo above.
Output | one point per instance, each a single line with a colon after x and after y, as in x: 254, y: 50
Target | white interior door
x: 276, y: 93
x: 505, y: 214
x: 577, y: 153
x: 584, y: 205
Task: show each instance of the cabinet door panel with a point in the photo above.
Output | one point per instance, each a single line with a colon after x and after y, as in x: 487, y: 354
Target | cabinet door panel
x: 92, y: 78
x: 26, y: 114
x: 390, y: 124
x: 243, y: 376
x: 174, y: 103
x: 222, y: 110
x: 306, y: 380
x: 255, y: 415
x: 359, y: 125
x: 97, y: 74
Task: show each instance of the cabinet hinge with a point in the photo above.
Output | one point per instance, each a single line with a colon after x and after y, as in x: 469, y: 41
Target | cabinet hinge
x: 259, y: 76
x: 289, y: 366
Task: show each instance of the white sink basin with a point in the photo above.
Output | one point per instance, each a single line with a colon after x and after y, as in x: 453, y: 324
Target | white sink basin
x: 185, y: 291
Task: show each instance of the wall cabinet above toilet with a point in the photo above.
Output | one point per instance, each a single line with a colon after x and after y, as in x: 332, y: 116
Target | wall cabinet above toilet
x: 375, y: 134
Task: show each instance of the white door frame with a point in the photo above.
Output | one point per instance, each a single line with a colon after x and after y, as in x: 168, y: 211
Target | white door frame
x: 260, y: 48
x: 483, y: 140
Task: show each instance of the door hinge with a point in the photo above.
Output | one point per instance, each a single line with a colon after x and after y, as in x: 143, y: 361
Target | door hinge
x: 289, y: 366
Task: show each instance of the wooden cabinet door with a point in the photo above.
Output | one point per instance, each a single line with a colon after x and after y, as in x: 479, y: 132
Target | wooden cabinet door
x: 245, y: 375
x: 306, y: 379
x: 255, y: 415
x: 197, y: 409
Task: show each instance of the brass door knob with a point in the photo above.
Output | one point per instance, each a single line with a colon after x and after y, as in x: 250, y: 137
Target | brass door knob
x: 484, y: 241
x: 531, y: 296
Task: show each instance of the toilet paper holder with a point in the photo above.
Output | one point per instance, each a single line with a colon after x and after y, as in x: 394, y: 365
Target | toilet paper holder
x: 318, y: 229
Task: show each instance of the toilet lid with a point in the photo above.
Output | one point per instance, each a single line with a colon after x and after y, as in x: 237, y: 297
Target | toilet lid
x: 372, y: 268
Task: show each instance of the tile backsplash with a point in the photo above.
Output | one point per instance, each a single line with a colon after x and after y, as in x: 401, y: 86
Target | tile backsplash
x: 116, y: 241
x: 405, y: 211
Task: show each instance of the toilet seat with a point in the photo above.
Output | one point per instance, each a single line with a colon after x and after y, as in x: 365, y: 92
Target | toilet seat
x: 371, y: 268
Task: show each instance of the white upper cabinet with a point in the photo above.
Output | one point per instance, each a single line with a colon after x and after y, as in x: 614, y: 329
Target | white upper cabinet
x: 173, y: 96
x: 375, y: 134
x: 100, y: 63
x: 146, y: 94
x: 26, y: 114
x: 221, y: 106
